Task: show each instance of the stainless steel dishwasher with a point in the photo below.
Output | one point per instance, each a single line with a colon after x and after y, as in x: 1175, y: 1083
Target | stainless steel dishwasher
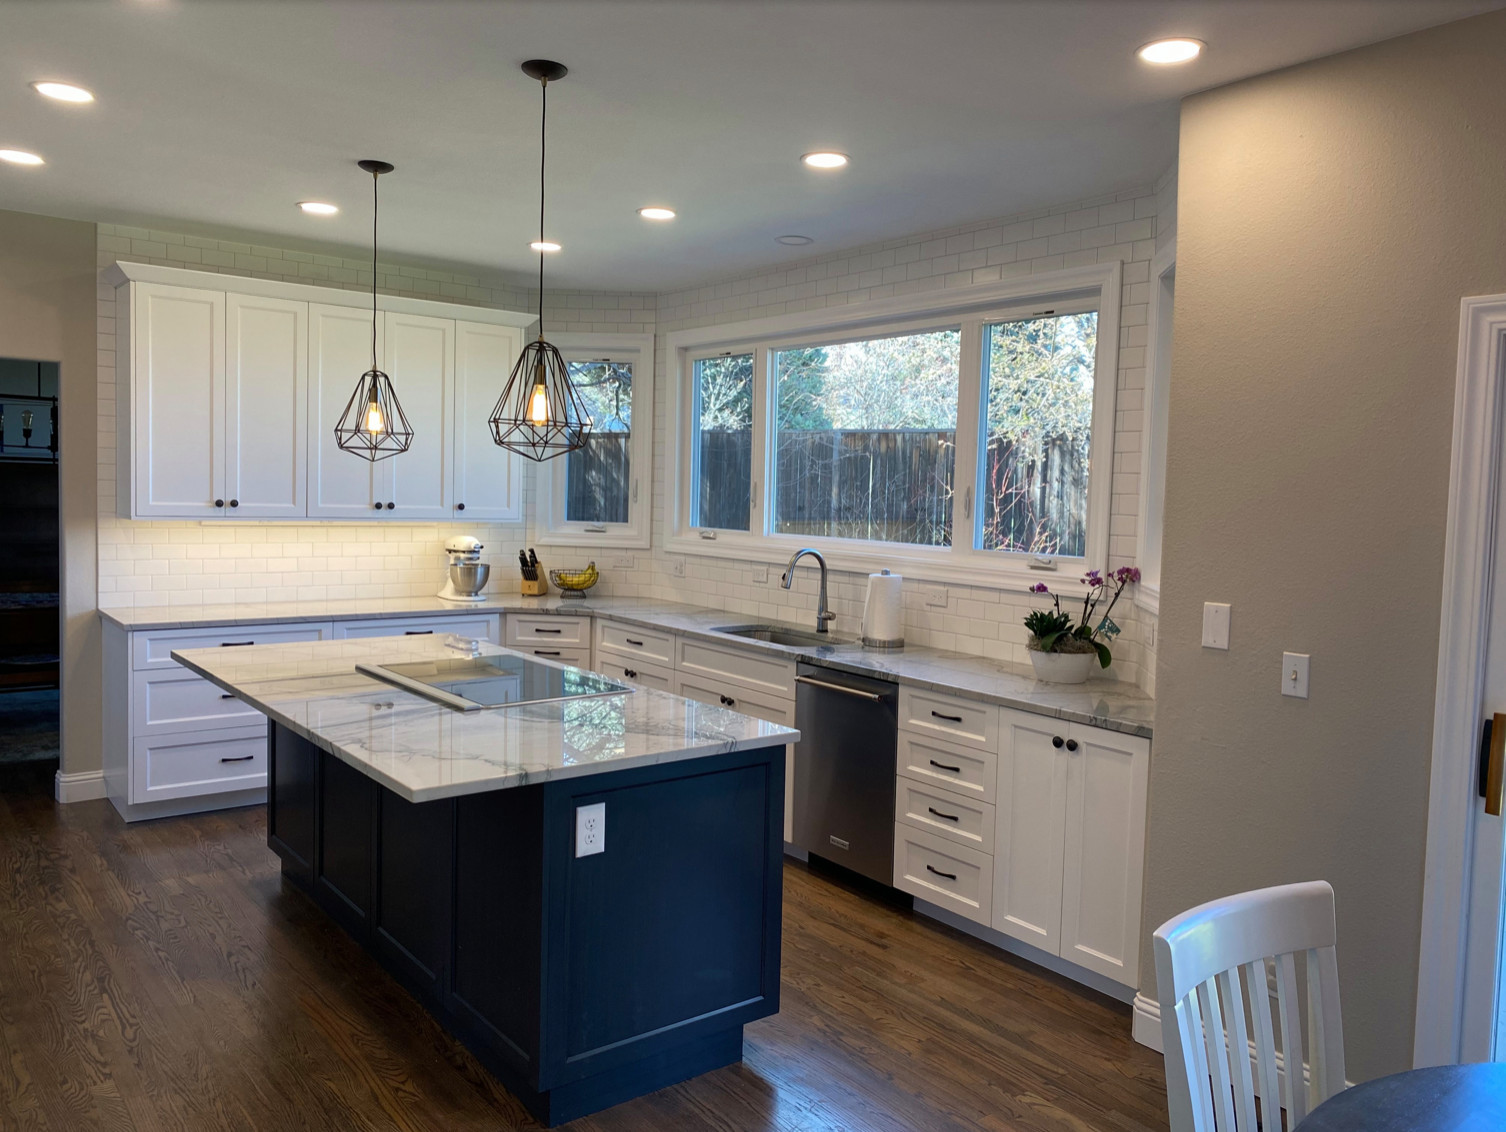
x: 844, y: 769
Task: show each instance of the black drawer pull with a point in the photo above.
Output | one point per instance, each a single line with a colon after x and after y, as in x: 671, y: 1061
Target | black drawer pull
x: 939, y: 814
x: 630, y: 674
x: 1071, y: 744
x: 948, y: 718
x: 1056, y: 741
x: 546, y: 652
x: 228, y: 696
x: 238, y: 759
x: 556, y: 632
x: 943, y: 766
x: 418, y: 632
x: 630, y: 641
x: 235, y: 644
x: 938, y: 872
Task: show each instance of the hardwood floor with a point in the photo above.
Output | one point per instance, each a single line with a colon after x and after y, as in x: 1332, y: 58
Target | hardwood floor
x: 159, y: 976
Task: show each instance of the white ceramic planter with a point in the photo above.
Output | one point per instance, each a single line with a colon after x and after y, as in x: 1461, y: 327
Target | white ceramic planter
x: 1063, y: 667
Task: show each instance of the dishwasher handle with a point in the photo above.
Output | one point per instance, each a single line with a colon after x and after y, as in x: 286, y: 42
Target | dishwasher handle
x: 846, y: 691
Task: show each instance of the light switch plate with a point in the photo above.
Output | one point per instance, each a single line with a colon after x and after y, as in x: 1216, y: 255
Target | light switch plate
x: 624, y: 562
x: 1215, y: 625
x: 591, y: 829
x: 677, y: 567
x: 1294, y: 674
x: 761, y: 574
x: 934, y: 596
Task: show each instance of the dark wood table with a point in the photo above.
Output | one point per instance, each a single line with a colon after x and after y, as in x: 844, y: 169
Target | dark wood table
x: 1447, y: 1098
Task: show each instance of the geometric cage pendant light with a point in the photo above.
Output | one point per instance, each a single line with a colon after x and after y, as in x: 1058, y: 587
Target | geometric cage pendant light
x: 540, y: 414
x: 373, y: 424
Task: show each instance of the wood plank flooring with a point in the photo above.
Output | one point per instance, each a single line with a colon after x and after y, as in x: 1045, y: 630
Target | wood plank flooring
x: 159, y: 976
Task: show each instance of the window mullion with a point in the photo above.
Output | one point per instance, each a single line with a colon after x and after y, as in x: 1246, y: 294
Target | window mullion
x: 966, y: 496
x: 763, y: 440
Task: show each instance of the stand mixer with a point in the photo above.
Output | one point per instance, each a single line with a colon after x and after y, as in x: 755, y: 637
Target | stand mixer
x: 467, y: 573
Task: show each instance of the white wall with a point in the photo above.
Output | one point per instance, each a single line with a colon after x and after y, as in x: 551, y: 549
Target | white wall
x: 175, y: 563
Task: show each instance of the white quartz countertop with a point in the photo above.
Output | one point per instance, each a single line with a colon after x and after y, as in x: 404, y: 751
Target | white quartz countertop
x: 1100, y: 703
x: 423, y: 751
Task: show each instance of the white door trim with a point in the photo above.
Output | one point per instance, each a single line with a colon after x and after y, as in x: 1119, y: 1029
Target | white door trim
x: 1469, y: 552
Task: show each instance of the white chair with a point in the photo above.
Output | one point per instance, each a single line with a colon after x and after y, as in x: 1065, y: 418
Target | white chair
x: 1200, y: 958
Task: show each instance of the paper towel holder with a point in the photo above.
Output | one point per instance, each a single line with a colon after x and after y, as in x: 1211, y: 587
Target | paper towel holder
x: 875, y: 644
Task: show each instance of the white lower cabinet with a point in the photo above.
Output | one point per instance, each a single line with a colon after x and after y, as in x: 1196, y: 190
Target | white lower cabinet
x: 197, y: 763
x: 476, y: 626
x: 1030, y: 835
x: 943, y: 872
x: 643, y: 675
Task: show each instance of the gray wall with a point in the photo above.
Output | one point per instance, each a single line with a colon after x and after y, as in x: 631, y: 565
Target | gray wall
x: 1330, y: 218
x: 47, y: 287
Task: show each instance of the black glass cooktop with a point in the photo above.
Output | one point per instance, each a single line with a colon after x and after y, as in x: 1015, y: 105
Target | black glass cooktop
x: 504, y: 680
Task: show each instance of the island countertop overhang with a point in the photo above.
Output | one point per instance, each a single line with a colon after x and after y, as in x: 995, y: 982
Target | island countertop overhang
x: 424, y: 751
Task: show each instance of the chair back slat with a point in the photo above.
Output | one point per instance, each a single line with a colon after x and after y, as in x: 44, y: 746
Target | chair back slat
x: 1211, y: 968
x: 1239, y: 1044
x: 1218, y: 1052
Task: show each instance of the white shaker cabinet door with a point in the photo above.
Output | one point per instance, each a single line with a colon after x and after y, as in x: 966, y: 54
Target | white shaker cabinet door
x: 1107, y: 777
x: 266, y: 397
x: 488, y: 479
x: 342, y: 485
x: 420, y: 353
x: 178, y: 401
x: 1030, y: 817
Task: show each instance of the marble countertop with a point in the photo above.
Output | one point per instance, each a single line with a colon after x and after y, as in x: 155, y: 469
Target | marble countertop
x: 422, y: 750
x: 1110, y: 704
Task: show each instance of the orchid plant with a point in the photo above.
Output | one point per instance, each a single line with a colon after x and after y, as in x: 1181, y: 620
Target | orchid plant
x: 1052, y: 630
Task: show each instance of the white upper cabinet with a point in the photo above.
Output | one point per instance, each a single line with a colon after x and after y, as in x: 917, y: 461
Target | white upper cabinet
x: 229, y: 390
x: 488, y: 481
x: 342, y: 485
x: 266, y: 397
x: 420, y: 360
x: 176, y: 396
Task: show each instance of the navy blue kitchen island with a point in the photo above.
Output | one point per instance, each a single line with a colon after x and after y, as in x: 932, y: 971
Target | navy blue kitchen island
x: 579, y: 981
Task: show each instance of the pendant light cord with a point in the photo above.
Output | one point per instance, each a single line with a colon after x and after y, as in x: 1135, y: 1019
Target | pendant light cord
x: 543, y: 140
x: 374, y: 270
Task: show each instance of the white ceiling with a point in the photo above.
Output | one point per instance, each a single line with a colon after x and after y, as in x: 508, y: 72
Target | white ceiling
x: 224, y: 114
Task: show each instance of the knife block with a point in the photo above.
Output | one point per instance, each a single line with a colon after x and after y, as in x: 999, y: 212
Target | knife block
x: 534, y: 589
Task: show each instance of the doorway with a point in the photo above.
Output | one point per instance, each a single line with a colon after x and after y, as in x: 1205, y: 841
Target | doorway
x: 30, y: 626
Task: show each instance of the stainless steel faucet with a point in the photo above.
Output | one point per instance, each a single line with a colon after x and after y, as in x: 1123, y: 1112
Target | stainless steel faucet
x: 787, y: 579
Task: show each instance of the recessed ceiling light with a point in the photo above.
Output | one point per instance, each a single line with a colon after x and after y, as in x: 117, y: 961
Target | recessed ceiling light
x: 63, y: 92
x: 20, y: 157
x: 825, y: 159
x: 544, y: 246
x: 794, y: 241
x: 318, y: 207
x: 1171, y: 50
x: 655, y: 213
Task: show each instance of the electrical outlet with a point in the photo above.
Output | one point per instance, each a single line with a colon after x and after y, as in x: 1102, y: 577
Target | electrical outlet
x: 934, y: 596
x: 761, y: 574
x: 591, y: 829
x: 677, y: 567
x: 624, y: 562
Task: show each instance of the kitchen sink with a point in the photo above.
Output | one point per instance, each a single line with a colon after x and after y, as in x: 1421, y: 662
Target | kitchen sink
x: 782, y: 635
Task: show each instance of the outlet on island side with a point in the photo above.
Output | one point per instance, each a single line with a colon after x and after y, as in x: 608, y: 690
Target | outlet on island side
x: 591, y: 829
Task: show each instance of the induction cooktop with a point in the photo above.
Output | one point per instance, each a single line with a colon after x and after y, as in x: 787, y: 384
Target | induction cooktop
x: 503, y: 680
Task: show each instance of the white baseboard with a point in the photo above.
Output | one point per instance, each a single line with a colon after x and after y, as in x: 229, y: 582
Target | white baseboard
x: 85, y: 786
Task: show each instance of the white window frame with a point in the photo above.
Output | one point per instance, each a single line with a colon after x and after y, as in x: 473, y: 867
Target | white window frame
x: 1099, y: 284
x: 553, y: 528
x: 1163, y: 275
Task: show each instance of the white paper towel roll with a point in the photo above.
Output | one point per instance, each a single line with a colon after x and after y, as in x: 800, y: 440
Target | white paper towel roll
x: 883, y: 615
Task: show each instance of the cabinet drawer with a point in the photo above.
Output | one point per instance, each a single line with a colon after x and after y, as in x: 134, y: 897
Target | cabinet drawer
x: 643, y: 675
x: 629, y: 641
x: 174, y: 699
x: 525, y: 628
x: 942, y: 872
x: 477, y: 626
x: 154, y: 649
x: 963, y: 769
x: 575, y: 658
x: 968, y: 722
x: 965, y: 821
x: 744, y: 667
x: 187, y: 765
x: 759, y: 706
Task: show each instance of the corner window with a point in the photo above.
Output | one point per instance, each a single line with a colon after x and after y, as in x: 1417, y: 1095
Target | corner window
x: 958, y: 435
x: 599, y: 495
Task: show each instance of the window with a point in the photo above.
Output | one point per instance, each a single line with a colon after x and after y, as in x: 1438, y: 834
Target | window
x: 957, y: 435
x: 597, y: 495
x: 1163, y: 286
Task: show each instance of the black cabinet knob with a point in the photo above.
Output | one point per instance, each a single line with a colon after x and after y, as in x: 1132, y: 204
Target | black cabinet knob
x: 728, y: 700
x: 235, y: 503
x: 1071, y: 744
x: 460, y: 506
x: 378, y: 506
x: 219, y: 503
x: 1056, y: 741
x: 390, y: 506
x: 630, y: 674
